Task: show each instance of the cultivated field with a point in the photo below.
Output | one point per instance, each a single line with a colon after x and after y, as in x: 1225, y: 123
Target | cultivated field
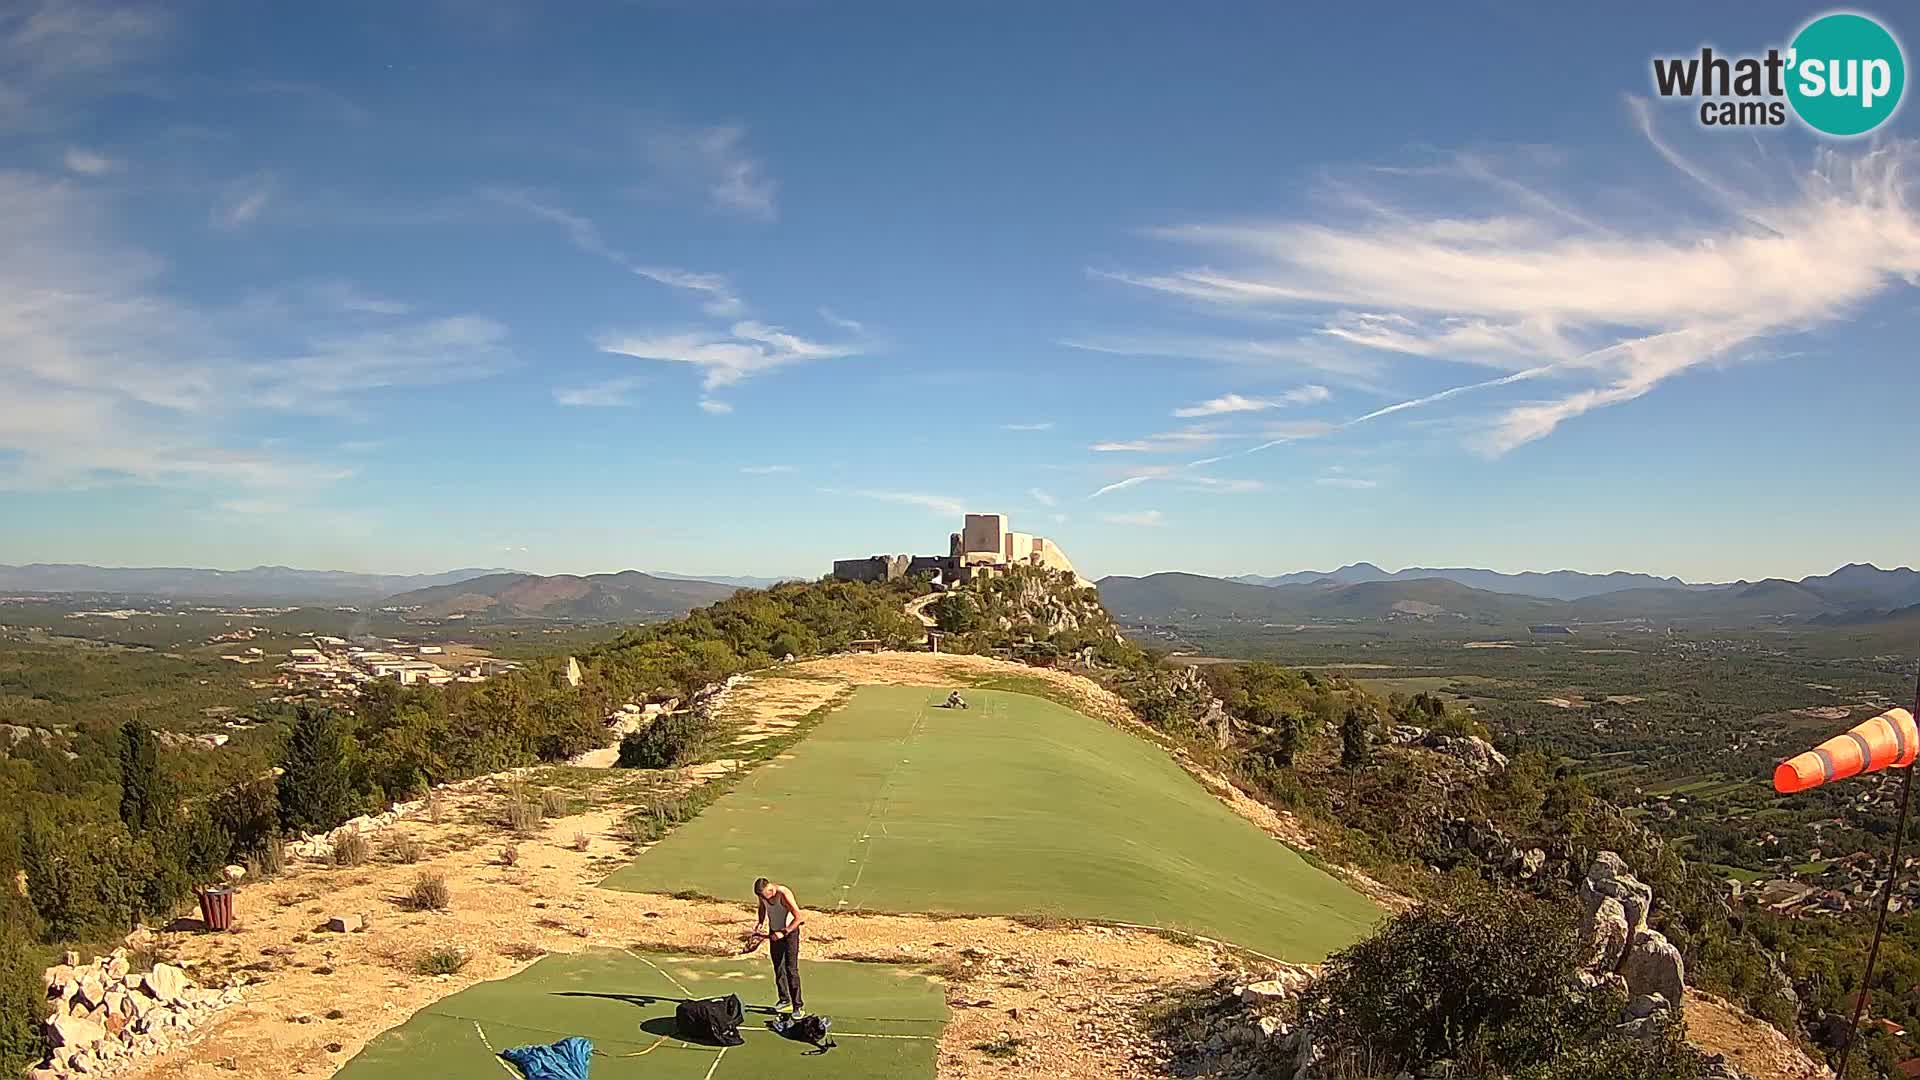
x: 1017, y: 806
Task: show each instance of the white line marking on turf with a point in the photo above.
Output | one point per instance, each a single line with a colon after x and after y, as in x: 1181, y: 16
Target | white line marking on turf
x: 497, y: 1059
x: 716, y: 1062
x: 661, y: 970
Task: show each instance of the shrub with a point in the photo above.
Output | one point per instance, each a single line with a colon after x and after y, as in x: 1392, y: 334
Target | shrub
x: 509, y: 856
x: 581, y: 842
x: 1491, y: 980
x: 429, y: 893
x: 445, y: 960
x: 350, y: 848
x: 406, y: 849
x: 669, y: 742
x: 23, y: 1002
x: 523, y: 814
x: 82, y: 878
x: 555, y: 803
x: 653, y: 821
x: 436, y: 808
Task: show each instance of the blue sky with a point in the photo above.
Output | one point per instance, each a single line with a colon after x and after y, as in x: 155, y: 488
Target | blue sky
x: 743, y: 287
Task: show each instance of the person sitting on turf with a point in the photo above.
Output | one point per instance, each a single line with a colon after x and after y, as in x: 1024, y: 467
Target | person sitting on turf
x: 779, y: 924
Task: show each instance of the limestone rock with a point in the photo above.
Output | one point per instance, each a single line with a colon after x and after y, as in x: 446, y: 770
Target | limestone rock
x: 1265, y: 992
x: 1475, y: 751
x: 1604, y: 933
x: 1654, y: 966
x: 1609, y: 876
x: 345, y: 924
x: 167, y: 983
x: 74, y: 1031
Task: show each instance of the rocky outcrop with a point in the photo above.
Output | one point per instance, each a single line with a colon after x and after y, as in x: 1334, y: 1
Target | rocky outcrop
x: 1478, y: 754
x: 319, y: 847
x: 1618, y: 944
x: 106, y: 1016
x: 1191, y: 689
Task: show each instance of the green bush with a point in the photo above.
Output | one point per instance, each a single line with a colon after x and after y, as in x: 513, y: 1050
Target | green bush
x: 1620, y: 1058
x: 82, y: 877
x: 671, y: 741
x: 23, y: 1001
x: 1490, y: 981
x: 445, y: 960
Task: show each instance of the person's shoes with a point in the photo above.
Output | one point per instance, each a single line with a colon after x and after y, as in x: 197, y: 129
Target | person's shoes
x: 799, y: 1014
x: 785, y: 1008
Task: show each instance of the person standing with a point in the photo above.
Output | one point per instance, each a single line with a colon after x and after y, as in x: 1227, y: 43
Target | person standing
x: 780, y: 922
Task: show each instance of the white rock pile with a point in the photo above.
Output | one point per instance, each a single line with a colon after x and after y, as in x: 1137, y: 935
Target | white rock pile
x: 319, y: 846
x: 106, y: 1016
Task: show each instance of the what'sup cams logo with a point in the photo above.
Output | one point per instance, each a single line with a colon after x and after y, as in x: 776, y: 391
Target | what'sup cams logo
x: 1842, y: 75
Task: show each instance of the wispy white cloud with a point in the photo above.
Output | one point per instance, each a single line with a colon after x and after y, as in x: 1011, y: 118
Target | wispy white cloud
x: 1305, y: 355
x: 852, y: 326
x: 714, y: 408
x: 1221, y: 486
x: 1547, y: 293
x: 1143, y: 519
x: 1041, y: 497
x: 1237, y: 403
x: 766, y: 470
x: 1164, y: 442
x: 108, y: 378
x: 86, y: 162
x: 1358, y: 483
x: 242, y: 203
x: 715, y: 162
x: 51, y: 50
x: 1045, y: 425
x: 611, y: 393
x: 944, y: 505
x: 715, y: 291
x: 746, y: 350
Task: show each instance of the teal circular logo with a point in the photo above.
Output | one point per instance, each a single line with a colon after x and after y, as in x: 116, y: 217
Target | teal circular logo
x: 1846, y: 74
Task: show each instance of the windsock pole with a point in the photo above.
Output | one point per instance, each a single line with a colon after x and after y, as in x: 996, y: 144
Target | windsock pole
x: 1886, y: 901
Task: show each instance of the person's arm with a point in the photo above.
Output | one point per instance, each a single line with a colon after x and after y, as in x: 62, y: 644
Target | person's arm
x: 760, y: 927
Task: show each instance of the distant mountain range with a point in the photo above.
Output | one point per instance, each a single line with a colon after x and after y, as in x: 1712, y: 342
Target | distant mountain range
x: 286, y: 585
x: 261, y: 584
x: 724, y: 579
x: 629, y: 595
x: 1557, y: 585
x: 1853, y: 593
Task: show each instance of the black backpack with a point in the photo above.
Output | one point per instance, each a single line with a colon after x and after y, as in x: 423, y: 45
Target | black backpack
x: 714, y: 1021
x: 810, y: 1029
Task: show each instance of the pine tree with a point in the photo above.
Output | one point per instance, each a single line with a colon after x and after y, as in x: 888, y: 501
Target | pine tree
x: 316, y: 785
x: 1355, y: 749
x: 144, y: 794
x: 23, y: 999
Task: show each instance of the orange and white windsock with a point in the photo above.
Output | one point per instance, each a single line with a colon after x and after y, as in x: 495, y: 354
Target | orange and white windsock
x: 1890, y: 740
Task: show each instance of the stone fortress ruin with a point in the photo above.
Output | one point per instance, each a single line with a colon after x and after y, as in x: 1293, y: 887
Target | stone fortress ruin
x: 983, y: 547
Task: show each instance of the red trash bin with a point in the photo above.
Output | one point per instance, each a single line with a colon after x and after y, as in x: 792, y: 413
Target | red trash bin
x: 216, y: 908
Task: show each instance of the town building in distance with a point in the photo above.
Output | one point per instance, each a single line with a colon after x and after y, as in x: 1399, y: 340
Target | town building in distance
x: 983, y: 547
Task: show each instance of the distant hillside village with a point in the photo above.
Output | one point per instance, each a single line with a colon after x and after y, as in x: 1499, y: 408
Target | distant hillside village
x: 984, y: 547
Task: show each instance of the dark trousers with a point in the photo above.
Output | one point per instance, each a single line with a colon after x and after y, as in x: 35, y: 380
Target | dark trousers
x: 786, y: 967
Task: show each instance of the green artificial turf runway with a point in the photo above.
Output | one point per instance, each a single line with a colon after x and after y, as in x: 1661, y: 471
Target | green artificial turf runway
x: 886, y: 1020
x: 1016, y: 806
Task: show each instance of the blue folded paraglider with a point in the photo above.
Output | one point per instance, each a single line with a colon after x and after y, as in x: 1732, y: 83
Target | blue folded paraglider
x: 564, y: 1060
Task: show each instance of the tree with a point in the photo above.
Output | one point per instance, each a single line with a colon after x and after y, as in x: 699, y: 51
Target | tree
x: 956, y: 613
x: 144, y: 790
x: 81, y: 878
x: 1356, y: 746
x: 23, y: 1000
x: 671, y: 740
x: 316, y: 784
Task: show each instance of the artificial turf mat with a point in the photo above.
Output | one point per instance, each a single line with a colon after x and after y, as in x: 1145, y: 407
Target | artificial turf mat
x: 1016, y: 806
x: 886, y: 1020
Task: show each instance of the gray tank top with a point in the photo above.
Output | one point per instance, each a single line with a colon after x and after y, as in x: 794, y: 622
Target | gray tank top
x: 778, y: 914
